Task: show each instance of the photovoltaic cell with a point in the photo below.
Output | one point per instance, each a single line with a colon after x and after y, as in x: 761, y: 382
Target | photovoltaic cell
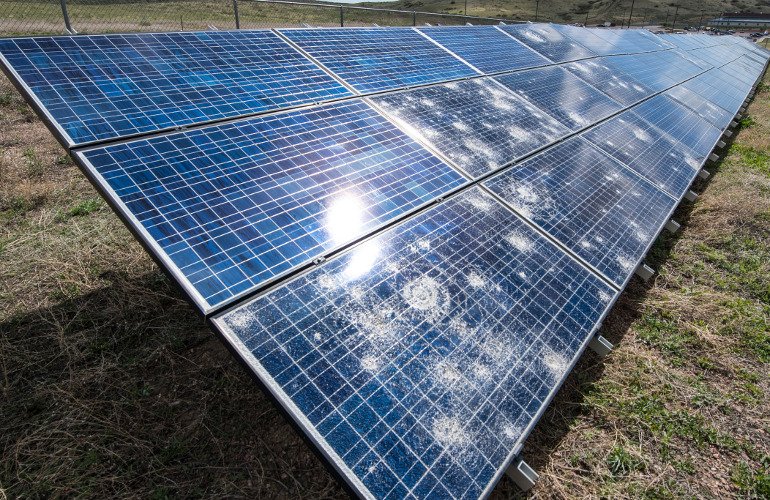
x: 588, y: 202
x: 619, y: 87
x: 547, y: 41
x: 588, y: 39
x: 374, y: 59
x: 231, y: 206
x: 707, y: 110
x: 486, y: 47
x: 108, y: 86
x: 564, y: 96
x: 419, y: 360
x: 669, y: 165
x: 476, y: 123
x: 680, y: 123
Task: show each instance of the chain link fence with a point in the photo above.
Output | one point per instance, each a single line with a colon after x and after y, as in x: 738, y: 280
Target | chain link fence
x: 28, y: 17
x: 31, y: 17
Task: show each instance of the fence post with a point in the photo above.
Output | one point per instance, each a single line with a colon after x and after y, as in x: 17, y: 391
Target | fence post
x: 66, y: 16
x: 414, y: 18
x: 342, y: 17
x: 237, y: 17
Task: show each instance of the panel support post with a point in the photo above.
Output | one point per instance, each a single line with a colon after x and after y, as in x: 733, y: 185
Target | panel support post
x: 721, y: 144
x: 600, y: 345
x: 522, y: 474
x: 672, y: 226
x: 691, y: 196
x: 728, y: 133
x: 342, y: 17
x: 66, y: 16
x: 414, y: 18
x: 713, y: 157
x: 645, y: 272
x: 733, y: 124
x: 703, y: 174
x: 237, y: 17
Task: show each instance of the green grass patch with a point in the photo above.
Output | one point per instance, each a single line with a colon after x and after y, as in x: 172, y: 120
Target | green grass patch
x: 35, y: 167
x: 752, y: 158
x: 621, y: 463
x: 85, y: 207
x: 664, y: 334
x: 753, y: 483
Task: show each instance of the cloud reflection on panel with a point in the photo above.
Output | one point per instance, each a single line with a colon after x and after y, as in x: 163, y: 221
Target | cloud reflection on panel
x: 423, y: 354
x: 477, y: 123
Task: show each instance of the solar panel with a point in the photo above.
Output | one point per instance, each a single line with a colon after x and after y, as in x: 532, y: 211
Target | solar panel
x: 680, y: 123
x: 101, y: 87
x: 547, y: 41
x: 709, y: 111
x: 231, y: 206
x: 375, y: 59
x: 648, y: 151
x: 711, y: 87
x: 588, y: 39
x: 618, y: 86
x: 564, y: 96
x: 419, y: 360
x: 477, y: 123
x: 630, y: 41
x: 487, y: 48
x: 590, y: 203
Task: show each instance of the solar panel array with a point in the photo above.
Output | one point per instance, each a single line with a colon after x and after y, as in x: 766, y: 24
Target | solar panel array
x: 409, y: 235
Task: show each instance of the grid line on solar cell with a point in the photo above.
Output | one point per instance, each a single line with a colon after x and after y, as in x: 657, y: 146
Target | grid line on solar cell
x: 477, y: 124
x: 597, y: 208
x: 548, y: 42
x: 572, y: 101
x: 486, y: 47
x: 237, y: 204
x: 376, y: 59
x: 648, y: 151
x: 680, y: 123
x: 421, y: 357
x: 108, y: 86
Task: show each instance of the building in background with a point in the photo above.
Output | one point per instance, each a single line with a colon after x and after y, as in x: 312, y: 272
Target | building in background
x: 742, y: 20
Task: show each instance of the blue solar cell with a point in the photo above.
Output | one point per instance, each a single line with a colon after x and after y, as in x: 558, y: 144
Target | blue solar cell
x: 648, y: 70
x: 487, y: 48
x: 564, y: 96
x: 234, y: 205
x: 602, y: 76
x: 374, y: 59
x: 419, y: 360
x: 548, y: 41
x: 709, y: 111
x: 631, y: 41
x: 477, y: 123
x: 680, y: 123
x: 590, y: 203
x: 588, y: 39
x: 644, y: 148
x: 713, y: 86
x: 108, y: 86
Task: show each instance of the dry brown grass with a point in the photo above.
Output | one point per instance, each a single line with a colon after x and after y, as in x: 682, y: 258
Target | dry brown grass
x: 112, y: 386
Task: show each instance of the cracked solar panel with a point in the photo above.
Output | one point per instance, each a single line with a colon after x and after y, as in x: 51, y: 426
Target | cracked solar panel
x: 229, y: 207
x: 486, y: 47
x: 97, y: 87
x: 375, y: 59
x: 619, y: 87
x: 564, y: 96
x: 477, y: 124
x: 548, y: 41
x: 593, y: 205
x: 418, y: 361
x: 680, y: 123
x: 707, y: 110
x: 645, y: 149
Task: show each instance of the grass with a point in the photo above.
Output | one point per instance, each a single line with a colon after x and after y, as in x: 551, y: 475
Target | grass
x: 111, y: 386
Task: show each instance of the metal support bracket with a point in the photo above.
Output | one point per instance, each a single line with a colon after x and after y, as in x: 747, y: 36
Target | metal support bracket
x: 728, y: 133
x: 704, y: 174
x: 522, y: 474
x: 600, y: 345
x: 714, y: 157
x: 691, y: 196
x: 672, y: 226
x: 721, y: 144
x: 645, y: 272
x: 733, y: 124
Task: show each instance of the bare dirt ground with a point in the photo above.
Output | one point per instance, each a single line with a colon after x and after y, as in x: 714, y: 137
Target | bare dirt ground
x: 111, y: 385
